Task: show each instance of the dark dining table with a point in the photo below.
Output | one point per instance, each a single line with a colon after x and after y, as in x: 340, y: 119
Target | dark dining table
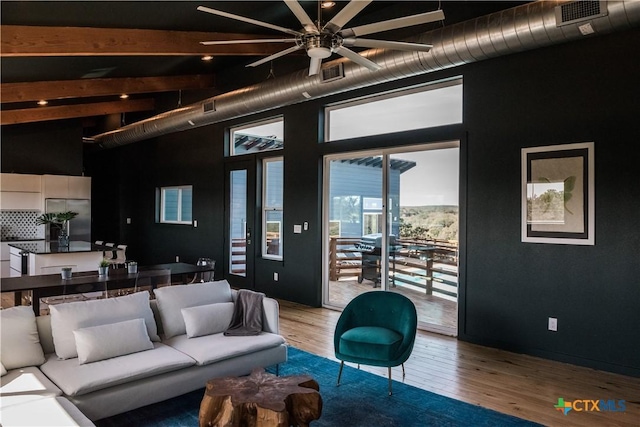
x: 49, y: 285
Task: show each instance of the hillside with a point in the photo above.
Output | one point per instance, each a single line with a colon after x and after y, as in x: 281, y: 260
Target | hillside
x: 429, y: 222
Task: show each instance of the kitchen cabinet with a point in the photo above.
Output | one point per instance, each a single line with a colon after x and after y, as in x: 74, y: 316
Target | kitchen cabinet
x: 15, y: 261
x: 21, y: 201
x: 19, y: 182
x: 79, y: 187
x: 5, y: 269
x: 21, y: 191
x: 66, y: 187
x: 5, y: 256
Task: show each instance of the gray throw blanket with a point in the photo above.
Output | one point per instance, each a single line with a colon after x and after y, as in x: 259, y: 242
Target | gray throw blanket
x: 247, y: 314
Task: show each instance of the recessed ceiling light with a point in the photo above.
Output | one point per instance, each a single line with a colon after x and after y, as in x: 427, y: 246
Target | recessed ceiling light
x: 207, y: 58
x: 43, y: 102
x: 328, y: 4
x: 124, y: 96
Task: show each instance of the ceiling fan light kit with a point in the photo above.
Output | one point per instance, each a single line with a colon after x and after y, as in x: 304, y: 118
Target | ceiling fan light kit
x: 320, y: 42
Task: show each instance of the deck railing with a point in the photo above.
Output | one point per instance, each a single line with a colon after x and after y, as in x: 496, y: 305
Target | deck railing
x: 428, y: 264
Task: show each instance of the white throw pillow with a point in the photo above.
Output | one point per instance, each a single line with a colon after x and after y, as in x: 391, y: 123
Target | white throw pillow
x: 20, y: 343
x: 3, y: 371
x: 172, y: 299
x: 207, y: 319
x: 68, y: 317
x: 115, y: 339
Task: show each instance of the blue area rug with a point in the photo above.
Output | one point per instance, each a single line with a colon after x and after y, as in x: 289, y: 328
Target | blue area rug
x: 360, y: 401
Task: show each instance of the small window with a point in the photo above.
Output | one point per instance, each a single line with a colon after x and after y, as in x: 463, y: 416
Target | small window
x: 176, y: 204
x: 272, y: 208
x: 258, y: 136
x: 437, y: 104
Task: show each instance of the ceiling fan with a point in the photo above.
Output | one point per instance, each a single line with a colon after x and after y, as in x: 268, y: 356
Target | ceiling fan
x: 320, y: 41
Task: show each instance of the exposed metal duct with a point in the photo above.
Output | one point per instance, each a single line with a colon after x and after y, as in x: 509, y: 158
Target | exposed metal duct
x: 522, y: 28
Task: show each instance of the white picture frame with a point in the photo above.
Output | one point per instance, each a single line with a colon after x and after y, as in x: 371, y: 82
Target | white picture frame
x: 558, y: 195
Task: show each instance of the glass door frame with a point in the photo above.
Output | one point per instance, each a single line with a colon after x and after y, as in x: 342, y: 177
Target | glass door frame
x: 237, y: 281
x: 385, y: 153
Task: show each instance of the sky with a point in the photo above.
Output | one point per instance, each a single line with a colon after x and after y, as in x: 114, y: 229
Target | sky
x: 433, y: 181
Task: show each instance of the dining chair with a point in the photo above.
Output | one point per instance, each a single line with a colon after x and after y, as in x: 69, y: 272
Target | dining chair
x: 105, y: 253
x: 121, y: 256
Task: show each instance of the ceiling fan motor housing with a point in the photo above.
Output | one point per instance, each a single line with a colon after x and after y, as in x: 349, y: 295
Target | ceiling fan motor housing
x: 319, y: 45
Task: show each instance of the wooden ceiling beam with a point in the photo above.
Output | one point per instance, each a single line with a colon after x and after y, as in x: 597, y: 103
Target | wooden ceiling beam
x: 64, y: 89
x: 22, y: 40
x: 41, y: 114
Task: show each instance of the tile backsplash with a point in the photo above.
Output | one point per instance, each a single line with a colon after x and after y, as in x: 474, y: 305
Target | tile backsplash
x: 16, y: 225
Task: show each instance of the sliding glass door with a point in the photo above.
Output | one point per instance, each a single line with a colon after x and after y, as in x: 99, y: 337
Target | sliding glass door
x: 391, y: 223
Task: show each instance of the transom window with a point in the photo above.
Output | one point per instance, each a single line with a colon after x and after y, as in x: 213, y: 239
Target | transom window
x: 437, y: 104
x: 176, y: 204
x: 256, y: 137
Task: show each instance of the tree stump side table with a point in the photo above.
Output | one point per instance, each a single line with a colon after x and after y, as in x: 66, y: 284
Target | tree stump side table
x: 260, y: 400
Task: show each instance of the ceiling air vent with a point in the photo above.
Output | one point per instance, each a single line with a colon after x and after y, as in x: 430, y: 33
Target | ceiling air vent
x: 335, y: 72
x: 578, y: 11
x: 208, y: 107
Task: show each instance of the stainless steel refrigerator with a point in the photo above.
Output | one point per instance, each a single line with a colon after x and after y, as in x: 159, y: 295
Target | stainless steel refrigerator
x: 80, y: 226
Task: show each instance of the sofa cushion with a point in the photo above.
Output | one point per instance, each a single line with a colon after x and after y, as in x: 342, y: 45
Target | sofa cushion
x: 24, y: 385
x: 50, y: 412
x: 172, y: 299
x: 207, y: 319
x: 75, y: 379
x: 20, y: 341
x: 213, y: 348
x: 68, y: 317
x: 114, y: 339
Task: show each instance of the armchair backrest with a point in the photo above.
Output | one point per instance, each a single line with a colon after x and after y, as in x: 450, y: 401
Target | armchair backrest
x: 379, y: 308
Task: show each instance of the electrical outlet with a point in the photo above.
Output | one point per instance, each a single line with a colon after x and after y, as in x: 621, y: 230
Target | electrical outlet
x: 553, y: 324
x: 177, y: 258
x: 195, y: 223
x: 275, y: 276
x: 128, y: 220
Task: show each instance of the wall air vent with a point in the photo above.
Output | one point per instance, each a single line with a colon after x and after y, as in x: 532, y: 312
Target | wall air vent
x: 332, y: 73
x: 208, y: 107
x: 578, y: 11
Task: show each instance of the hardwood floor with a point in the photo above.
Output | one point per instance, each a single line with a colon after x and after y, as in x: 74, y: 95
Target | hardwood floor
x: 515, y: 384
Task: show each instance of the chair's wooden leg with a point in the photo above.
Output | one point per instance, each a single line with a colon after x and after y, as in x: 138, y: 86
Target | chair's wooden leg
x: 389, y: 369
x: 340, y: 372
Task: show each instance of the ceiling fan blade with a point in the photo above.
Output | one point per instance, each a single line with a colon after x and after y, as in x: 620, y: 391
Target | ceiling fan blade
x: 392, y: 24
x: 345, y: 15
x: 248, y: 20
x: 357, y: 58
x: 302, y: 16
x: 275, y: 55
x: 386, y: 44
x: 314, y: 66
x: 247, y: 41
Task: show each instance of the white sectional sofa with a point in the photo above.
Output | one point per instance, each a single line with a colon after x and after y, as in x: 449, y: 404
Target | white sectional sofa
x: 93, y: 359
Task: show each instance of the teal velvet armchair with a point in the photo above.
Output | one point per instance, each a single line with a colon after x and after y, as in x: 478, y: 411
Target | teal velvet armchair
x: 376, y: 328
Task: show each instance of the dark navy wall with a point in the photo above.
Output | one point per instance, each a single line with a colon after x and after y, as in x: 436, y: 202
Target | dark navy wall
x: 53, y: 148
x: 584, y: 92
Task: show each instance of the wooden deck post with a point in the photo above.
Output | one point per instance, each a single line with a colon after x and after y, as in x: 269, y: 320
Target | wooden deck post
x: 429, y: 275
x: 333, y: 246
